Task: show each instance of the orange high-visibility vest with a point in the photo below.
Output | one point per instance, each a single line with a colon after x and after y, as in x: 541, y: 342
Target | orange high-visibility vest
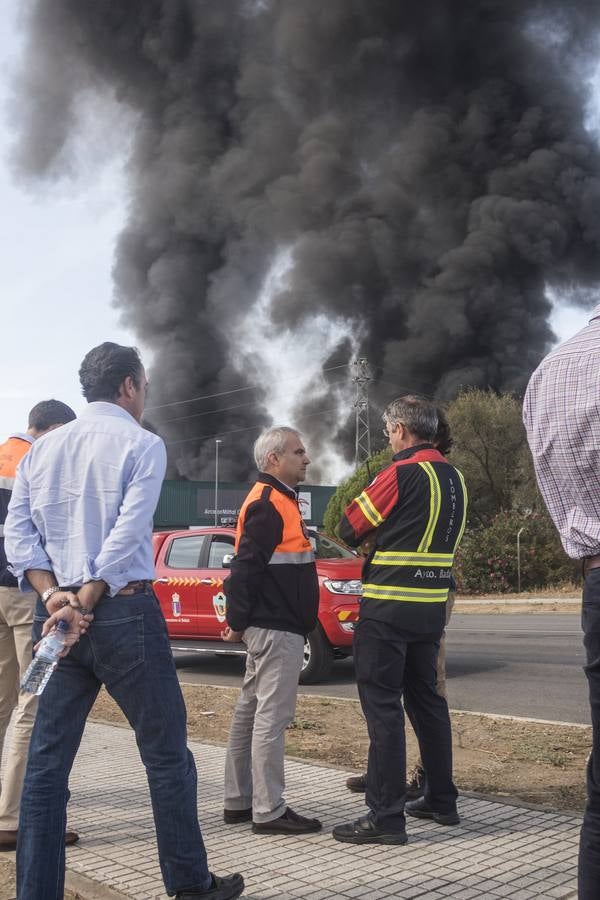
x: 11, y: 454
x: 295, y: 545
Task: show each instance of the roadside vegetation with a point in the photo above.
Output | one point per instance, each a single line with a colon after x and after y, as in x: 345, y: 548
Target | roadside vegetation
x: 508, y: 522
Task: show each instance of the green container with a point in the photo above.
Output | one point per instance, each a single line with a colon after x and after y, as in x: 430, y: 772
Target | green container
x: 185, y: 503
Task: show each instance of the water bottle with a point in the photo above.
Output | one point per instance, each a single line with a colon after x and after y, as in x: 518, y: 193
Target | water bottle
x: 45, y: 660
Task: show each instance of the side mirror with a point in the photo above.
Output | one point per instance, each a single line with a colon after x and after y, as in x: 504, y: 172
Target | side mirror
x: 227, y: 560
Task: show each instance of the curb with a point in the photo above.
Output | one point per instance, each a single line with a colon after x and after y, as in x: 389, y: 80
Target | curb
x: 90, y: 889
x: 524, y: 601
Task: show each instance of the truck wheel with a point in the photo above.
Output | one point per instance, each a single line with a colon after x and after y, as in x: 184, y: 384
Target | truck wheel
x: 318, y: 658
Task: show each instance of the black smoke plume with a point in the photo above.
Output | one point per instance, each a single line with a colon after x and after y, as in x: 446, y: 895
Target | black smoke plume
x: 427, y: 164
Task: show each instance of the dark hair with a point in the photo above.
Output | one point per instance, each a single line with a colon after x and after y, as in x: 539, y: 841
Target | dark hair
x: 105, y: 368
x: 48, y: 413
x: 443, y: 439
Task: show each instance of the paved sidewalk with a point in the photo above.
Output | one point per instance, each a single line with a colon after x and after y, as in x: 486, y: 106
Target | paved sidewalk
x: 498, y: 850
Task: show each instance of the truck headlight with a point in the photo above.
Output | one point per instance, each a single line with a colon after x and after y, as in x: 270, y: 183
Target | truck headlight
x: 344, y: 587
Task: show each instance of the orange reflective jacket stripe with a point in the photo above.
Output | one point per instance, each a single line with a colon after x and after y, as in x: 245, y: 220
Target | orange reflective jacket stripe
x: 295, y: 546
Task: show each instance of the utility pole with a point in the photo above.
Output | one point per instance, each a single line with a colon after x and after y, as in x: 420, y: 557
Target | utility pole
x: 361, y: 376
x: 217, y: 442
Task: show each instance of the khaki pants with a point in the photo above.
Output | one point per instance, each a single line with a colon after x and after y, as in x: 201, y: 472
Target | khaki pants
x: 254, y: 763
x: 16, y: 619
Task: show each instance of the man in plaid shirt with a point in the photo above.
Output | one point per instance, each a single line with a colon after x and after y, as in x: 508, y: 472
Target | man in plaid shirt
x: 562, y: 417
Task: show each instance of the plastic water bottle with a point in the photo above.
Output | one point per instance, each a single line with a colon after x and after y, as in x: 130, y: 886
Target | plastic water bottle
x: 45, y: 660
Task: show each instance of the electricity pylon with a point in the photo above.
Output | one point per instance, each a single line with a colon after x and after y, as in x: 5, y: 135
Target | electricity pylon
x: 362, y: 377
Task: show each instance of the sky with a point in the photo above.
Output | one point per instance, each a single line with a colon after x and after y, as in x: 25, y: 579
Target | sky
x: 56, y: 252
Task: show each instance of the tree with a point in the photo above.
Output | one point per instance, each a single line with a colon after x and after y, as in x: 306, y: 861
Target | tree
x: 352, y: 487
x: 490, y: 448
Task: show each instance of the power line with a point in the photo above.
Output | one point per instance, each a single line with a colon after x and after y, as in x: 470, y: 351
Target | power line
x: 206, y: 437
x: 212, y: 412
x: 251, y: 387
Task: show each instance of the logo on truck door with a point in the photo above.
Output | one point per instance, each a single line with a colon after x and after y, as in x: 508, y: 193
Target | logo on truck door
x: 220, y: 605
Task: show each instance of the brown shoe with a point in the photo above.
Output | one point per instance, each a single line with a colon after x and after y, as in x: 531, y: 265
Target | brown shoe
x: 416, y: 783
x: 289, y: 823
x: 8, y: 839
x: 357, y: 783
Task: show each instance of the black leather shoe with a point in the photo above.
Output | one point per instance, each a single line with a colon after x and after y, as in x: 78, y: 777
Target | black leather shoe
x: 227, y: 888
x: 421, y: 810
x: 357, y: 783
x: 365, y: 831
x: 289, y: 823
x: 236, y: 816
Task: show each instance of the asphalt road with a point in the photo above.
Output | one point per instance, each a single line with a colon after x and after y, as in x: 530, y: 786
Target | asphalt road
x: 523, y: 665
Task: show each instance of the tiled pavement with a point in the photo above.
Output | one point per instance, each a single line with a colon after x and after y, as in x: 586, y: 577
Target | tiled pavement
x: 498, y: 850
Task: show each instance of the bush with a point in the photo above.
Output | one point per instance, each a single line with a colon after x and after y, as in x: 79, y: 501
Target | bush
x: 487, y: 558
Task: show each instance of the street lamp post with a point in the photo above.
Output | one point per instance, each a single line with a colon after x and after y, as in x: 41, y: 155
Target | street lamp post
x: 519, y: 533
x: 217, y: 442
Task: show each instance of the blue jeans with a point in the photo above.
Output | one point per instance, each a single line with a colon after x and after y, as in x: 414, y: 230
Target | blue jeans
x: 589, y: 846
x: 127, y: 650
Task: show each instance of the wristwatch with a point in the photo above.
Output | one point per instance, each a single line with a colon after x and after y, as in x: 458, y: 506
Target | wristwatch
x: 48, y: 593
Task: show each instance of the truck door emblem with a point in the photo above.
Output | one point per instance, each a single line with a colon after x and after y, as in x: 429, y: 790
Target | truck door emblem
x: 176, y: 605
x: 220, y: 604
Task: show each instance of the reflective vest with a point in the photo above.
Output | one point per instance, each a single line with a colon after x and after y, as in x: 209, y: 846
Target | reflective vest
x: 11, y: 454
x: 295, y: 546
x: 416, y: 510
x: 273, y: 579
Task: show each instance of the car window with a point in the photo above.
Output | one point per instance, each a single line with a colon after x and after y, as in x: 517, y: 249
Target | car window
x: 325, y: 548
x: 184, y: 552
x: 218, y: 548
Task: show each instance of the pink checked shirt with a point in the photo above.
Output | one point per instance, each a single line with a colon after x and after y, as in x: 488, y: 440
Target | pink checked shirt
x: 561, y: 413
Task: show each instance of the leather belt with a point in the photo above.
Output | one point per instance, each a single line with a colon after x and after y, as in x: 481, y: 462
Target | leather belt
x: 134, y: 587
x: 590, y: 562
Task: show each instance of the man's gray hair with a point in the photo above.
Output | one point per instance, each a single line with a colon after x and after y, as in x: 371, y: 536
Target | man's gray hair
x: 271, y: 441
x: 418, y: 415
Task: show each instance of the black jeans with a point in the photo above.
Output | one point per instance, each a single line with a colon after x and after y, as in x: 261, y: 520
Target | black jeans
x: 589, y: 847
x: 388, y: 664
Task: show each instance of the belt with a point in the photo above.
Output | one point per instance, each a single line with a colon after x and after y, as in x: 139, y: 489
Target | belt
x: 590, y: 562
x: 132, y: 587
x: 135, y: 587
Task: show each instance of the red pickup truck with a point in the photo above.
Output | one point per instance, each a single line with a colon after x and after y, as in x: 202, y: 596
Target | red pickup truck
x: 192, y: 565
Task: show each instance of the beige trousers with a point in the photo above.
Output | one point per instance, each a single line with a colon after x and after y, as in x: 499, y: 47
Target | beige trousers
x: 16, y: 619
x: 254, y: 762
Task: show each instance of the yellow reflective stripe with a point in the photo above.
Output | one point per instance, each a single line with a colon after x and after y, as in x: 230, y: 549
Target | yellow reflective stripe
x: 368, y: 510
x: 465, y: 501
x: 409, y: 595
x: 400, y: 558
x: 402, y: 589
x: 435, y: 503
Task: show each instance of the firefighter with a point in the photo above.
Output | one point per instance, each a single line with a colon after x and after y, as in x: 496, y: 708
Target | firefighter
x: 415, y: 511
